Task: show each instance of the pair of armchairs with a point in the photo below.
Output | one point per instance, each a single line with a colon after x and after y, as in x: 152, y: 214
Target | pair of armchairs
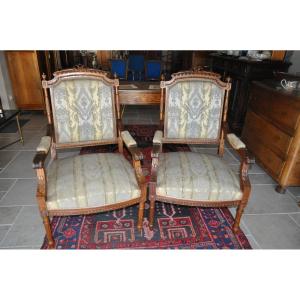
x: 83, y: 110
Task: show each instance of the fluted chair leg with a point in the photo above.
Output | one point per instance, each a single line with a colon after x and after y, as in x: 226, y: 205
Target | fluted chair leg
x: 141, y: 216
x: 49, y: 235
x: 151, y: 212
x: 239, y: 212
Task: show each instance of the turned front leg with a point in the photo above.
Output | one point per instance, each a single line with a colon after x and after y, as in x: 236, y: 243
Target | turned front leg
x: 152, y: 189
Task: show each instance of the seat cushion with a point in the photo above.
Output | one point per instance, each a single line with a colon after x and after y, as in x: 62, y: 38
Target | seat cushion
x: 196, y: 176
x: 90, y: 180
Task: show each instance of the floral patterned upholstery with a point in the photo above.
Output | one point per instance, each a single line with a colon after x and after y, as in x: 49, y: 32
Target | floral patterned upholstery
x: 83, y: 110
x: 193, y: 110
x: 90, y: 180
x: 195, y: 176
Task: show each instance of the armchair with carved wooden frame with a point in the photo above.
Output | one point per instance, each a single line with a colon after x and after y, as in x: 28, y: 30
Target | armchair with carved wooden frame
x: 83, y: 110
x: 193, y: 110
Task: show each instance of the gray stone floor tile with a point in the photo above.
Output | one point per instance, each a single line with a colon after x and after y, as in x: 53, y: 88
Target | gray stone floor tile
x: 233, y: 153
x: 5, y: 184
x: 242, y: 224
x: 274, y: 231
x: 29, y: 216
x: 252, y: 242
x: 295, y: 190
x: 2, y: 194
x: 22, y: 193
x: 264, y: 199
x: 4, y: 141
x: 296, y: 218
x: 20, y: 235
x: 256, y: 169
x: 9, y: 214
x: 261, y: 179
x: 20, y: 167
x: 36, y: 123
x: 6, y: 157
x: 30, y: 142
x: 29, y: 247
x: 3, y: 231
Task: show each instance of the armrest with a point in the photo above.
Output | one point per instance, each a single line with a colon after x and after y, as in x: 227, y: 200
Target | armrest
x: 157, y: 139
x: 44, y: 145
x: 157, y: 144
x: 42, y: 152
x: 235, y: 142
x: 131, y: 145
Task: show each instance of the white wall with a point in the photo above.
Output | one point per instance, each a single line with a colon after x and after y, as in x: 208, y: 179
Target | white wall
x: 295, y: 60
x: 6, y: 92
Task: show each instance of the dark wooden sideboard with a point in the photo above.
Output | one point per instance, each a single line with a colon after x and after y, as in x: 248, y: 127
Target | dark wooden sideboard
x: 272, y: 131
x: 242, y: 72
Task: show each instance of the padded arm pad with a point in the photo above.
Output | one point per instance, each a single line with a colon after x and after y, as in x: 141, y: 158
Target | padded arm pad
x: 44, y: 145
x: 157, y: 139
x: 235, y: 142
x: 128, y: 139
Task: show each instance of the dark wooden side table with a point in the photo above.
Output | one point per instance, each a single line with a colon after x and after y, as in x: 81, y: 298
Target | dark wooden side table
x: 5, y: 117
x: 139, y: 93
x: 242, y: 72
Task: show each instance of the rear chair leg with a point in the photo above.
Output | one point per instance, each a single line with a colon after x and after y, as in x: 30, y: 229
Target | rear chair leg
x: 49, y: 235
x: 239, y: 212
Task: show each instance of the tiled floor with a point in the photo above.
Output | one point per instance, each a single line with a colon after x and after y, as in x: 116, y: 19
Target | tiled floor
x: 270, y: 221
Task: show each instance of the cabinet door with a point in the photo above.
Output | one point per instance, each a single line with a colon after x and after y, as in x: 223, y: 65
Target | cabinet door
x: 103, y: 58
x: 25, y: 78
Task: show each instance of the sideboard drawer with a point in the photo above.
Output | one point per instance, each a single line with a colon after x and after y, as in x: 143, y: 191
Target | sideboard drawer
x: 280, y: 111
x: 257, y: 127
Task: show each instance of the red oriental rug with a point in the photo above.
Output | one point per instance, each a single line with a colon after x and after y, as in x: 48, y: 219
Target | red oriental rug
x: 175, y: 227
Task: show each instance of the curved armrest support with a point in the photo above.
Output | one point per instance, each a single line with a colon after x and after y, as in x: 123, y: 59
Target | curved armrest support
x: 157, y: 144
x: 156, y: 150
x: 39, y: 160
x: 131, y: 145
x: 42, y: 152
x: 241, y: 150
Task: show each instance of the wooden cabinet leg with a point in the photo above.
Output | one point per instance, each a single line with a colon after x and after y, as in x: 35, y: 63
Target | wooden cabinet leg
x: 280, y: 189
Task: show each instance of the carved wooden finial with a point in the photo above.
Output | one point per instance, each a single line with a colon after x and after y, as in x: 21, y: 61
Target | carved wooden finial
x: 115, y: 75
x: 162, y: 77
x: 44, y: 76
x: 228, y: 79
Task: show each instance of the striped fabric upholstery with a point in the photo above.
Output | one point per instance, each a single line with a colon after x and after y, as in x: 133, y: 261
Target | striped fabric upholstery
x: 83, y: 110
x: 193, y: 110
x: 195, y: 176
x: 90, y: 180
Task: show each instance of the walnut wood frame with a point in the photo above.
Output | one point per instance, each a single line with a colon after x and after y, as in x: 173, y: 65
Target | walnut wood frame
x: 40, y: 157
x: 157, y: 149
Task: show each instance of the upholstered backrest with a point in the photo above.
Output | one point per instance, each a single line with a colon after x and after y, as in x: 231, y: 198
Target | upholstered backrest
x: 83, y: 110
x: 193, y: 109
